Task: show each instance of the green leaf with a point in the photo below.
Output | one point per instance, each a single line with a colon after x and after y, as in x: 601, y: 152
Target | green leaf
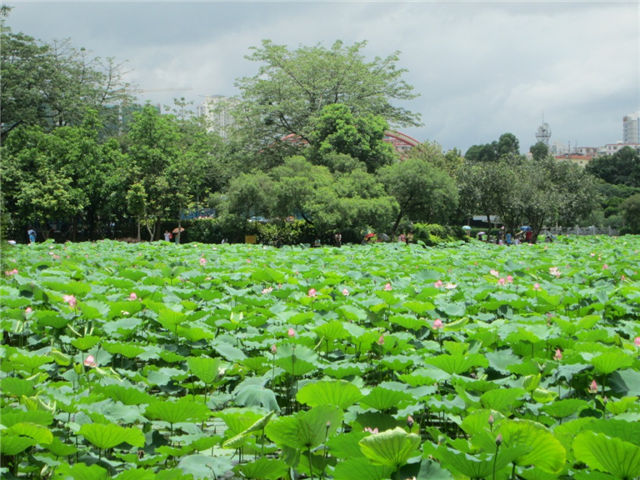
x: 543, y: 449
x: 14, y: 444
x: 457, y: 364
x: 609, y: 362
x: 205, y: 368
x: 361, y: 469
x: 339, y: 393
x: 263, y: 469
x: 238, y: 440
x: 608, y: 454
x: 80, y: 471
x: 85, y: 343
x: 305, y: 430
x: 175, y: 412
x: 109, y: 435
x: 382, y: 398
x: 565, y: 408
x: 391, y: 448
x: 16, y: 387
x: 503, y: 400
x: 203, y: 466
x: 39, y: 433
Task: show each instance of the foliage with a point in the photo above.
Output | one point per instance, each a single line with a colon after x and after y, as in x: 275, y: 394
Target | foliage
x: 335, y: 130
x: 621, y: 168
x: 423, y: 192
x: 292, y: 86
x: 382, y: 361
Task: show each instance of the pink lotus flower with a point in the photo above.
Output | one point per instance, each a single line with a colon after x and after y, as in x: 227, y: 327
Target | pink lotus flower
x: 536, y: 286
x: 371, y: 430
x: 11, y: 272
x: 274, y: 349
x: 312, y: 292
x: 267, y: 290
x: 438, y: 284
x: 133, y: 296
x: 291, y: 332
x: 28, y: 310
x: 622, y: 278
x: 345, y: 292
x: 203, y: 261
x: 637, y: 341
x: 381, y: 340
x: 71, y: 300
x: 495, y: 273
x: 90, y: 361
x: 558, y: 355
x: 593, y: 387
x: 592, y: 254
x: 554, y: 271
x: 509, y: 279
x: 450, y: 286
x: 605, y: 267
x: 501, y: 281
x: 388, y: 287
x: 437, y: 323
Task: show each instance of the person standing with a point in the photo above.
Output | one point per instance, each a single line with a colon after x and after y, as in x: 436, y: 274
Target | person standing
x: 32, y: 235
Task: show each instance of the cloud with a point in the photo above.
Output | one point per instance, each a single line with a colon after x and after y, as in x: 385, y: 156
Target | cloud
x: 481, y: 69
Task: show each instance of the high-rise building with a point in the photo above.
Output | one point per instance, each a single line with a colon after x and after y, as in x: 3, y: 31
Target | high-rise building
x: 217, y: 112
x: 631, y: 128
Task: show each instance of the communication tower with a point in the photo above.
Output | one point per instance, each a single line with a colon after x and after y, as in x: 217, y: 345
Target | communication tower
x: 544, y: 133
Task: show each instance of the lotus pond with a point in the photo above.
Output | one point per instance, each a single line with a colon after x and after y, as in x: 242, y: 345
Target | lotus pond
x: 157, y: 361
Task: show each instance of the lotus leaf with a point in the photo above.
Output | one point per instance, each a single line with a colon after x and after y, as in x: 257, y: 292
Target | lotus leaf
x: 111, y: 435
x: 608, y: 454
x: 391, y: 448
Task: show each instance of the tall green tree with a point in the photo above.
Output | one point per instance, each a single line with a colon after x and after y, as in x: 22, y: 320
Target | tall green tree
x: 335, y: 130
x: 291, y: 86
x: 51, y: 85
x: 621, y: 168
x: 423, y: 192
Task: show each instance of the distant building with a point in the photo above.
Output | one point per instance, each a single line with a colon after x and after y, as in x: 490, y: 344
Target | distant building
x: 217, y: 111
x: 543, y: 134
x: 576, y: 158
x: 631, y: 128
x: 401, y: 142
x: 611, y: 148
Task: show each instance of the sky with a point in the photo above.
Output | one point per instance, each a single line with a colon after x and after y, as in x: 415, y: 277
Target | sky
x: 481, y: 68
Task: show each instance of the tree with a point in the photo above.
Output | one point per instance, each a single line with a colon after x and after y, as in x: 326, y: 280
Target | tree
x: 431, y: 152
x: 336, y: 130
x: 423, y: 192
x: 623, y: 167
x: 539, y: 151
x: 53, y: 85
x: 292, y: 86
x: 631, y: 213
x: 508, y: 146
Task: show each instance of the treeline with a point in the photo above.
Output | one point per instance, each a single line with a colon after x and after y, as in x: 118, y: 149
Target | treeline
x: 82, y: 160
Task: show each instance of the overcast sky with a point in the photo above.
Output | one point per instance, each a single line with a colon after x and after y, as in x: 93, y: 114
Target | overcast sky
x: 481, y: 68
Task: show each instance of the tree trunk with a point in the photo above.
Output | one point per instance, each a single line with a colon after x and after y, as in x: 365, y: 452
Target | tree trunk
x: 395, y: 225
x: 139, y: 237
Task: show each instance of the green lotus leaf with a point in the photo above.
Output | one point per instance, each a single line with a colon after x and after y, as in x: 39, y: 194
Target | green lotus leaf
x: 51, y: 318
x: 39, y: 433
x: 109, y: 435
x: 544, y: 451
x: 608, y: 454
x: 339, y: 393
x: 229, y: 352
x: 128, y: 350
x: 263, y: 469
x: 609, y: 362
x: 179, y: 411
x: 503, y: 400
x: 204, y: 466
x: 136, y: 474
x: 239, y: 419
x: 205, y: 368
x: 565, y: 408
x: 346, y: 445
x: 457, y: 364
x: 392, y: 448
x: 126, y: 395
x: 238, y: 440
x: 625, y: 382
x: 60, y: 449
x: 620, y: 406
x: 305, y: 430
x: 622, y: 429
x: 362, y: 469
x: 419, y: 307
x: 14, y: 444
x: 85, y: 343
x: 381, y: 398
x: 476, y: 466
x: 332, y: 331
x: 424, y: 376
x: 408, y: 322
x: 10, y: 417
x: 80, y: 471
x: 17, y: 387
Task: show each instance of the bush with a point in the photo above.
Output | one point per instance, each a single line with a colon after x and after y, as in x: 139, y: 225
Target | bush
x: 432, y: 234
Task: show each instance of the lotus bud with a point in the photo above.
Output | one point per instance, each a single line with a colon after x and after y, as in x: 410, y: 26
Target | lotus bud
x: 499, y: 439
x: 410, y: 421
x: 490, y: 420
